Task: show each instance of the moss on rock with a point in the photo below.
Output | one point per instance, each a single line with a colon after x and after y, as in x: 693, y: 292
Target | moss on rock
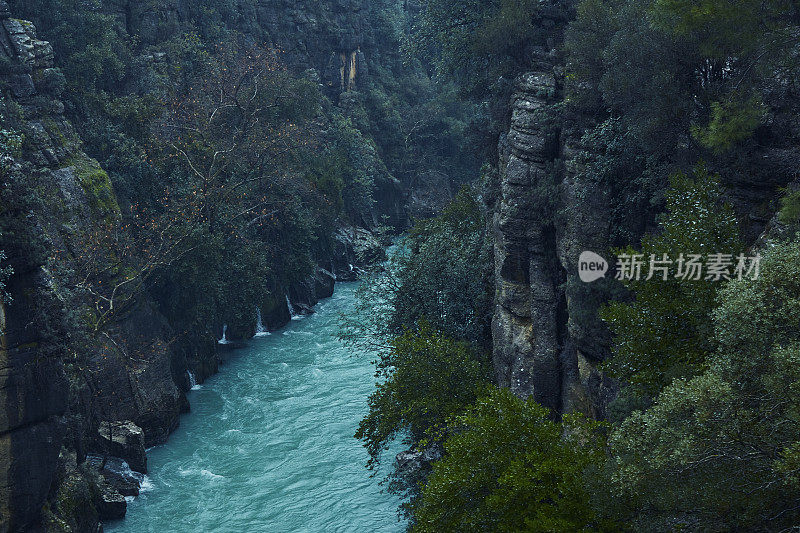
x: 97, y: 186
x: 72, y: 508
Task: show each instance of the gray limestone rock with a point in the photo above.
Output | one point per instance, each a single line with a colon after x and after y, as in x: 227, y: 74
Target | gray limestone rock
x: 125, y: 440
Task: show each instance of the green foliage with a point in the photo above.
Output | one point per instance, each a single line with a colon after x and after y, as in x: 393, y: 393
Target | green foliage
x: 329, y: 173
x: 612, y: 159
x: 478, y: 41
x: 730, y: 124
x: 643, y: 79
x: 444, y: 273
x: 592, y: 30
x: 427, y: 379
x: 506, y: 27
x: 360, y: 169
x: 665, y: 333
x: 91, y: 52
x: 509, y: 467
x: 755, y: 316
x: 242, y: 212
x: 420, y: 127
x: 97, y: 186
x: 5, y: 272
x: 671, y: 67
x: 219, y: 281
x: 790, y: 208
x: 727, y: 27
x: 439, y: 272
x: 10, y: 145
x: 51, y: 82
x: 729, y: 434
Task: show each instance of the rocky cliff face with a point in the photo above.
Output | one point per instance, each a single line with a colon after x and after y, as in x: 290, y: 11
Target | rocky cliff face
x: 332, y: 42
x: 335, y: 43
x: 543, y: 343
x: 56, y: 387
x: 33, y: 388
x: 548, y: 340
x: 67, y: 392
x: 525, y: 325
x: 326, y: 36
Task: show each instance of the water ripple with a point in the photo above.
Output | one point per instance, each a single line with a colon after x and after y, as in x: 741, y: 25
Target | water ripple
x: 269, y: 443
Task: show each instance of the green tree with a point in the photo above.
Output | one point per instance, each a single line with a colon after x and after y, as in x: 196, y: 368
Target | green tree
x: 440, y: 272
x: 674, y: 67
x: 239, y: 215
x: 730, y: 123
x: 444, y: 273
x: 510, y: 467
x: 477, y: 41
x: 591, y: 31
x: 362, y: 169
x: 644, y: 80
x: 730, y: 434
x: 10, y: 144
x: 729, y: 28
x: 427, y: 378
x: 85, y: 39
x: 666, y: 331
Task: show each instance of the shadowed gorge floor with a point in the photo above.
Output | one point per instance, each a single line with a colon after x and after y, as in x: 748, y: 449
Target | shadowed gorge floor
x: 269, y: 444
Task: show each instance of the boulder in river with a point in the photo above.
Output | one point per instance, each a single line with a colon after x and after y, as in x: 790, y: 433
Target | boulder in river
x: 110, y: 504
x: 355, y: 249
x: 126, y: 440
x: 117, y: 473
x: 413, y: 466
x: 275, y: 312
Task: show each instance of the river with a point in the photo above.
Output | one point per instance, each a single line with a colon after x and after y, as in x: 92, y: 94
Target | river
x: 268, y: 446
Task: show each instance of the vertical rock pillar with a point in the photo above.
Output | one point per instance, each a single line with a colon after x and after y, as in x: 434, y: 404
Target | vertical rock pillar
x: 525, y: 326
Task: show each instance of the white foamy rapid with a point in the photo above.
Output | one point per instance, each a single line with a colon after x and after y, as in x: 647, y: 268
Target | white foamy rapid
x: 268, y: 445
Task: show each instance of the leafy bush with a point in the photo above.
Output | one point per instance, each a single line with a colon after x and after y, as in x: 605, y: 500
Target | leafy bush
x: 671, y: 67
x: 427, y: 379
x: 510, y: 467
x: 361, y: 169
x: 731, y: 123
x: 666, y: 332
x: 729, y: 434
x: 477, y: 41
x: 444, y: 273
x: 440, y: 272
x: 790, y: 208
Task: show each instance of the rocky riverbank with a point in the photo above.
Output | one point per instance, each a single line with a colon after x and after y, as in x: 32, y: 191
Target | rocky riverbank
x: 81, y: 406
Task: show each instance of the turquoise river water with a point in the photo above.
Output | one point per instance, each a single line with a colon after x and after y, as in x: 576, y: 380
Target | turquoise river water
x: 268, y: 446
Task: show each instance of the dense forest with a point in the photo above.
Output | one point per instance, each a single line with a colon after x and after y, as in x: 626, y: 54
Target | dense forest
x: 176, y: 174
x: 667, y: 403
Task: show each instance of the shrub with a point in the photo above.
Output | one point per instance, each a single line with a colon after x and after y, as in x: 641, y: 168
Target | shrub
x: 428, y: 378
x: 510, y: 467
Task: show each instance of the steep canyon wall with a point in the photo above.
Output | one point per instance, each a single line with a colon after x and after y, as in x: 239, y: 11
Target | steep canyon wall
x: 549, y: 208
x: 64, y: 392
